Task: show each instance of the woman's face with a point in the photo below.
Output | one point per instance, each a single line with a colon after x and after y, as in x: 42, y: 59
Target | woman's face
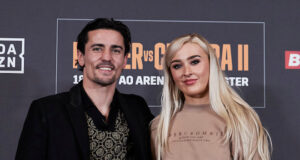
x: 190, y: 71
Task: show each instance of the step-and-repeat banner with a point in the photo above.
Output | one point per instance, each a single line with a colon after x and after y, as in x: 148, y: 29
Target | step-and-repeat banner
x: 257, y: 45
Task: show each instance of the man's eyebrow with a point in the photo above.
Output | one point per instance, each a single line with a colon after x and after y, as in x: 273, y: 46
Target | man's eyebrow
x: 97, y: 45
x: 117, y: 46
x: 191, y: 57
x: 102, y: 45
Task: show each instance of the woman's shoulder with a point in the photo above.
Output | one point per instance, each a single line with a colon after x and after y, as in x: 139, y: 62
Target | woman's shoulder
x: 154, y: 123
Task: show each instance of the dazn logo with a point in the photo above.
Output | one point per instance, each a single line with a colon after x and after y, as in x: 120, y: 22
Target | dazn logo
x: 12, y: 55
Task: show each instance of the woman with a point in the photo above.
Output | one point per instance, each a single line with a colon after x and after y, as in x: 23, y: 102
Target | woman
x: 202, y: 117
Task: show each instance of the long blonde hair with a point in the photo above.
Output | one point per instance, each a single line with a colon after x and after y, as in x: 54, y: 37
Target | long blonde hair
x: 244, y: 130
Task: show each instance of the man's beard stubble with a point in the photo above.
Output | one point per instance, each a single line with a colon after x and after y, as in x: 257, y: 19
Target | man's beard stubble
x: 105, y: 82
x: 101, y: 81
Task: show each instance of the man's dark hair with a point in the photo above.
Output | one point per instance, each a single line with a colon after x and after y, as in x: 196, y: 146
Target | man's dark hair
x: 103, y: 23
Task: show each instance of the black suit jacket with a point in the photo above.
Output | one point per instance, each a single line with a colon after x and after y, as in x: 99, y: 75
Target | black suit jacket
x: 56, y: 127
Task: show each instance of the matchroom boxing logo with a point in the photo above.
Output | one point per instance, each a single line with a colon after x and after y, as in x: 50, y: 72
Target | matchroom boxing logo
x: 12, y: 55
x: 292, y: 59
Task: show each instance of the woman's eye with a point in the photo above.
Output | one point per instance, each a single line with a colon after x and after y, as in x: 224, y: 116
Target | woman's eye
x: 195, y: 62
x: 176, y: 66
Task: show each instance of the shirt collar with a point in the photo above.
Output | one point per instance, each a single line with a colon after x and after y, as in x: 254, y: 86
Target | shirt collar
x: 95, y: 114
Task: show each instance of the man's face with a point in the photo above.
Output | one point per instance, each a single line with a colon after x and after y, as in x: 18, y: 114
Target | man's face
x: 104, y: 58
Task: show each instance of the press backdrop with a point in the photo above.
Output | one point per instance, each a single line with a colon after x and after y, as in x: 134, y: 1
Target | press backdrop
x: 257, y: 43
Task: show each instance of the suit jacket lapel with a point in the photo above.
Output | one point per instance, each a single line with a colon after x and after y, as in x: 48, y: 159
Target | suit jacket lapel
x: 129, y: 114
x: 135, y: 127
x: 78, y: 121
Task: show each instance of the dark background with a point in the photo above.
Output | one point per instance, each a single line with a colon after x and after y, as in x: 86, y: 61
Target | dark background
x: 36, y: 21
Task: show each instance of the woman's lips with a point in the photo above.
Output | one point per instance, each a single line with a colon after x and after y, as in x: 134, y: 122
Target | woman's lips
x: 190, y: 81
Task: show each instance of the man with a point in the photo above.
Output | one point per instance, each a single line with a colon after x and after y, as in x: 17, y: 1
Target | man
x: 93, y: 120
